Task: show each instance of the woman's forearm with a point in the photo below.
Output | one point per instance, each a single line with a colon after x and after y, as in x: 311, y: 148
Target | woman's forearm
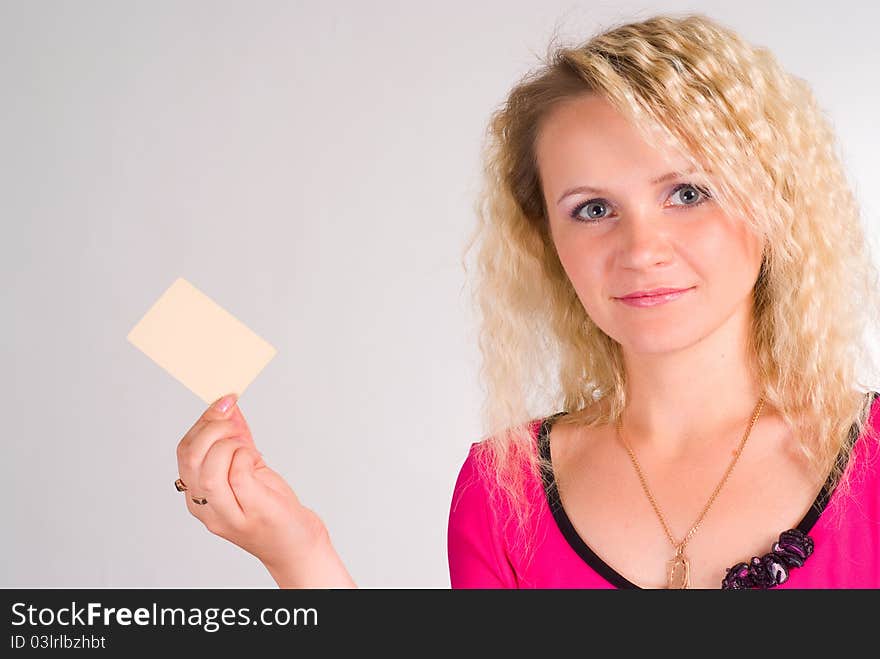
x: 323, y: 569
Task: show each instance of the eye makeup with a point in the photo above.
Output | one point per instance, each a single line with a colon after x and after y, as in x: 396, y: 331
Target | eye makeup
x: 574, y: 214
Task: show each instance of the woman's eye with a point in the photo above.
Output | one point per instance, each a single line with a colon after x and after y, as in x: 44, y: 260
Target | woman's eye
x: 690, y: 195
x: 590, y: 211
x: 598, y: 209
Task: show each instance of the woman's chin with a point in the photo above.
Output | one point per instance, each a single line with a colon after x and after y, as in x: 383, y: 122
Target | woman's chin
x: 657, y: 343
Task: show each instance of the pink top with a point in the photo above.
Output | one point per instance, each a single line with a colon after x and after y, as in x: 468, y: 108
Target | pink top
x: 844, y: 556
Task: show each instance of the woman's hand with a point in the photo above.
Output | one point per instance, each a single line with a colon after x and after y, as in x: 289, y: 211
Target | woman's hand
x: 252, y: 506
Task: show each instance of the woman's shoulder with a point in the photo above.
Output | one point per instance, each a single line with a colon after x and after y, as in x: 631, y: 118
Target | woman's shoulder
x: 866, y: 446
x: 874, y: 415
x: 469, y: 472
x: 478, y: 468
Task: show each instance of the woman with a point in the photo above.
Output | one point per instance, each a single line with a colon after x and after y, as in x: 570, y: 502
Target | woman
x: 671, y: 257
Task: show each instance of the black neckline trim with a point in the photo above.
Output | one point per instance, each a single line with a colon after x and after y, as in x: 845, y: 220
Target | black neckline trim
x: 601, y: 567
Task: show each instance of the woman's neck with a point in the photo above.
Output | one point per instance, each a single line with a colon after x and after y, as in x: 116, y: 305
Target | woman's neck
x: 676, y: 400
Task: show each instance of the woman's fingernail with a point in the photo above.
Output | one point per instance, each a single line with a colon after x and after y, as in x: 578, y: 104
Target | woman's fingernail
x: 225, y: 403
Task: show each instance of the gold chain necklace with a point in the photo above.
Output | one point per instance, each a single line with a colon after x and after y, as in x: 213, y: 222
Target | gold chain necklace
x: 678, y: 569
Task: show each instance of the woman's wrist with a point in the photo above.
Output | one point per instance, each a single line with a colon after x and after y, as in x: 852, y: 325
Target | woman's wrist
x: 321, y: 568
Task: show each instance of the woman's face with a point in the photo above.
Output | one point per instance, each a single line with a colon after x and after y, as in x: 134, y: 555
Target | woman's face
x: 631, y: 232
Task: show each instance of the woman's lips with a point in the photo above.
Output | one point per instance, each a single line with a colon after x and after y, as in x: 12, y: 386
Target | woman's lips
x: 653, y: 300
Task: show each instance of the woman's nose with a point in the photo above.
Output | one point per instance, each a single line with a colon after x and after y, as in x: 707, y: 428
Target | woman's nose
x: 644, y: 240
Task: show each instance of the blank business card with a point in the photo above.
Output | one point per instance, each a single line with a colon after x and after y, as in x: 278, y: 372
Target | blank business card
x: 200, y: 344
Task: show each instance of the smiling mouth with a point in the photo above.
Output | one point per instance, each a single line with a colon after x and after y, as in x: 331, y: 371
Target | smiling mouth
x: 654, y: 300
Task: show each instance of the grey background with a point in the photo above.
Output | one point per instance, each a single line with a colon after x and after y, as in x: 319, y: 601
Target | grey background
x: 311, y: 166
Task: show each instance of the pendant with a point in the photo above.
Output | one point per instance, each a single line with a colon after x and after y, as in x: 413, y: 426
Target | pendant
x: 678, y: 570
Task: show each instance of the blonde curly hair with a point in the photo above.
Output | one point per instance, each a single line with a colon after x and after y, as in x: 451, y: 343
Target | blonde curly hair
x: 728, y: 107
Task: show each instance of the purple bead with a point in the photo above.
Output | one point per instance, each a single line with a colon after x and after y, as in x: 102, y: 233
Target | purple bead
x: 791, y: 550
x: 759, y: 575
x: 776, y: 568
x: 737, y: 578
x: 771, y: 570
x: 793, y: 547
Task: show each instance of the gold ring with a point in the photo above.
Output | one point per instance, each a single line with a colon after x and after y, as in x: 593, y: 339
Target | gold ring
x: 200, y: 500
x: 180, y: 485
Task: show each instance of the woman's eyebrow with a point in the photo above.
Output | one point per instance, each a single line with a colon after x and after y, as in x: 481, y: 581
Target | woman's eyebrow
x: 593, y: 190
